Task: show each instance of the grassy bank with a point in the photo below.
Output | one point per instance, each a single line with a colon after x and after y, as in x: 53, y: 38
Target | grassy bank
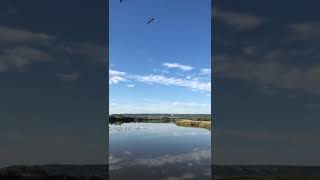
x: 193, y: 123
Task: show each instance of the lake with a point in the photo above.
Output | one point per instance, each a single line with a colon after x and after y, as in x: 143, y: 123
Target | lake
x: 159, y: 151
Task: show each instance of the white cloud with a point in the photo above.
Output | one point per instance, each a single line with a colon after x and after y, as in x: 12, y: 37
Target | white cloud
x: 195, y: 84
x: 205, y: 71
x: 131, y: 85
x: 116, y: 73
x: 116, y: 79
x: 172, y: 81
x: 179, y: 66
x: 116, y: 76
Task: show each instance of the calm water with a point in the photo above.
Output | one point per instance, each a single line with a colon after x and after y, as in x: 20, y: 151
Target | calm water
x: 159, y: 151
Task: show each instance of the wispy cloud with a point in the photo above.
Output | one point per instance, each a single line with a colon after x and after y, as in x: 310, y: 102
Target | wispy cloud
x: 172, y: 81
x: 150, y: 106
x: 179, y: 66
x: 116, y: 76
x: 205, y: 71
x: 131, y: 85
x: 237, y: 20
x: 116, y: 73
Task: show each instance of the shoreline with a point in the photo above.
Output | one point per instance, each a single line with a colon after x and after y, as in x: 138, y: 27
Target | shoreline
x: 196, y: 122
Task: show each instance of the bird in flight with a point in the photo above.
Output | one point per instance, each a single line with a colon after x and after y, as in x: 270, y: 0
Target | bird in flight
x: 150, y: 21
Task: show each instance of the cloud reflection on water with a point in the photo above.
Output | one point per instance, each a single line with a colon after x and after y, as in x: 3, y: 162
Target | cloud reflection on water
x: 163, y: 151
x: 197, y: 156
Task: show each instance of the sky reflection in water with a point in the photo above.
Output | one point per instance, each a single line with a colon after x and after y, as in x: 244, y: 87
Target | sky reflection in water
x: 159, y: 151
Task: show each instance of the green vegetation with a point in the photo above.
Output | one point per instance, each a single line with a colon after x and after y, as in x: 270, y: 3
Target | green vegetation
x: 120, y: 119
x: 201, y: 118
x: 113, y: 119
x: 194, y: 123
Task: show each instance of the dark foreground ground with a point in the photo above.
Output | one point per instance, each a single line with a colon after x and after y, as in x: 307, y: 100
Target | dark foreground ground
x: 100, y: 172
x: 266, y: 172
x: 46, y: 172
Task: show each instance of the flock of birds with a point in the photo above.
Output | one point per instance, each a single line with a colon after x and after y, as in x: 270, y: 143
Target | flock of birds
x: 150, y: 19
x: 127, y: 128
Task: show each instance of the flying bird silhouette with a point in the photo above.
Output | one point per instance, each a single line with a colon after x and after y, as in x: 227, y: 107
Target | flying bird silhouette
x: 150, y: 20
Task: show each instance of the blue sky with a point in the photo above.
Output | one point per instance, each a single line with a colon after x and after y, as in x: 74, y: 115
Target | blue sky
x: 162, y: 67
